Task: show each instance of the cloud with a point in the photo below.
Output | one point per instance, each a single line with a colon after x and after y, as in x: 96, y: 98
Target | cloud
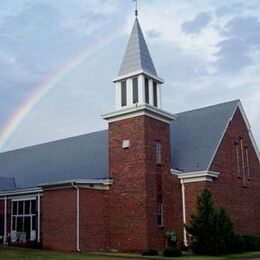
x: 206, y: 55
x: 241, y: 38
x: 230, y: 9
x: 153, y: 34
x: 197, y: 24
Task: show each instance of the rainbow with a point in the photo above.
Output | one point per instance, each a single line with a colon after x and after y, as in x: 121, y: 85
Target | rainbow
x: 16, y: 120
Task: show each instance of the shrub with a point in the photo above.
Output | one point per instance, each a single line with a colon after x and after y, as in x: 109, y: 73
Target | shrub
x: 172, y: 252
x: 211, y: 229
x: 150, y: 252
x: 251, y: 243
x: 237, y: 244
x: 172, y: 239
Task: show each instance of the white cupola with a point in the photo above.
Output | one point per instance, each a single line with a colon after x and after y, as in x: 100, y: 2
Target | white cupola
x: 137, y: 82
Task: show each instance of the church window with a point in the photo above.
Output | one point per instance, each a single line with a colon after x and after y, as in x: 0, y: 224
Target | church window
x: 135, y: 90
x: 123, y: 93
x: 155, y: 101
x: 247, y: 164
x: 238, y: 161
x: 146, y: 90
x: 159, y: 214
x: 158, y: 152
x: 242, y: 161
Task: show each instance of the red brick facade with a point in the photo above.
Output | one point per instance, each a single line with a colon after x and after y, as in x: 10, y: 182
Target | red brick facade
x: 59, y: 221
x: 124, y: 218
x: 138, y: 182
x: 240, y: 195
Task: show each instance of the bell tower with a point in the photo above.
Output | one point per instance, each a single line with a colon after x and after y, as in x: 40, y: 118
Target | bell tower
x: 137, y: 82
x: 139, y: 205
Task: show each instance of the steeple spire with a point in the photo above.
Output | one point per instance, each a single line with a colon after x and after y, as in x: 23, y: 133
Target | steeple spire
x: 137, y: 57
x: 137, y: 83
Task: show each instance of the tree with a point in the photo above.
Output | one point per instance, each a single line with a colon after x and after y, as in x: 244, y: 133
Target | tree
x: 210, y: 228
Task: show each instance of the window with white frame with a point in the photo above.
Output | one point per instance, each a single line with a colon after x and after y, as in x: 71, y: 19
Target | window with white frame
x: 146, y: 85
x: 123, y: 94
x: 160, y: 214
x: 155, y: 98
x: 135, y: 90
x: 158, y: 152
x: 24, y: 217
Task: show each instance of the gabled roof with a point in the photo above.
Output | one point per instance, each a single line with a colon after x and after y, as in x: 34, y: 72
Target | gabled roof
x: 80, y: 157
x: 137, y: 56
x: 196, y: 135
x: 7, y: 183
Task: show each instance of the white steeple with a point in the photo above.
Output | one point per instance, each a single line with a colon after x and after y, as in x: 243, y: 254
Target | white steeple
x: 137, y: 82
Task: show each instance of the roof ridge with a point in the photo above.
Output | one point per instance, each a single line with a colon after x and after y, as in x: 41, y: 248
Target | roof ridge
x: 209, y: 106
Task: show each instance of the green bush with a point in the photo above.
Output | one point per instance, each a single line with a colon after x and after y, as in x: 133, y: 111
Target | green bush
x: 211, y: 229
x: 150, y: 252
x: 251, y: 243
x: 237, y: 245
x: 172, y: 252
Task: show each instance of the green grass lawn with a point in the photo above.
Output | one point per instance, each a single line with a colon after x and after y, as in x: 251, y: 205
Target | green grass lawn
x: 11, y: 253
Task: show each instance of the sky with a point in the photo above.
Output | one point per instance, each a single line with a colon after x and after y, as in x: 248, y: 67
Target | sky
x: 66, y: 53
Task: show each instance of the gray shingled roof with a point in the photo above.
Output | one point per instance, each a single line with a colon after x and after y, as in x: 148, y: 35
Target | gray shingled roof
x: 195, y: 136
x: 7, y: 183
x: 81, y: 157
x: 137, y: 56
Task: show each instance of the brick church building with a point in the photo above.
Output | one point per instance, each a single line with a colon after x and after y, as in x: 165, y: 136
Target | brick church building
x: 124, y: 187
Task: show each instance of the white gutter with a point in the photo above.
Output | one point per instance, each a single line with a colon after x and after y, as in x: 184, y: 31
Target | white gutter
x: 78, y: 243
x: 184, y: 213
x: 20, y: 192
x: 5, y: 221
x: 78, y: 182
x: 39, y: 218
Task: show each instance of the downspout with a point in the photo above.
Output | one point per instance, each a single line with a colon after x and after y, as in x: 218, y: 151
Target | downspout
x: 184, y: 213
x: 5, y: 221
x: 77, y: 215
x: 39, y: 219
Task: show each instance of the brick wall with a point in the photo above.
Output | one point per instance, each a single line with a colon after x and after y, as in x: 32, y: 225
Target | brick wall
x: 59, y: 219
x: 93, y: 220
x: 134, y: 193
x: 242, y: 202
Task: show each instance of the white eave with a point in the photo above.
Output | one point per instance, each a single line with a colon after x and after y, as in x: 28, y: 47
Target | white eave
x: 21, y: 191
x: 144, y: 109
x: 195, y: 176
x: 136, y: 73
x: 88, y: 183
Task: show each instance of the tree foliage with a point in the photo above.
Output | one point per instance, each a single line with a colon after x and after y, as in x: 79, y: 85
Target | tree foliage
x: 210, y: 228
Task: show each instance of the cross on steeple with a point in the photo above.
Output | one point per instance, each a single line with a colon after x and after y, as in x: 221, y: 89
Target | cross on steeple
x: 136, y: 8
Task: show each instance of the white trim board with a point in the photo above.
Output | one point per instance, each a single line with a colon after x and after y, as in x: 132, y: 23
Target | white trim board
x: 189, y: 177
x: 138, y: 110
x: 136, y: 73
